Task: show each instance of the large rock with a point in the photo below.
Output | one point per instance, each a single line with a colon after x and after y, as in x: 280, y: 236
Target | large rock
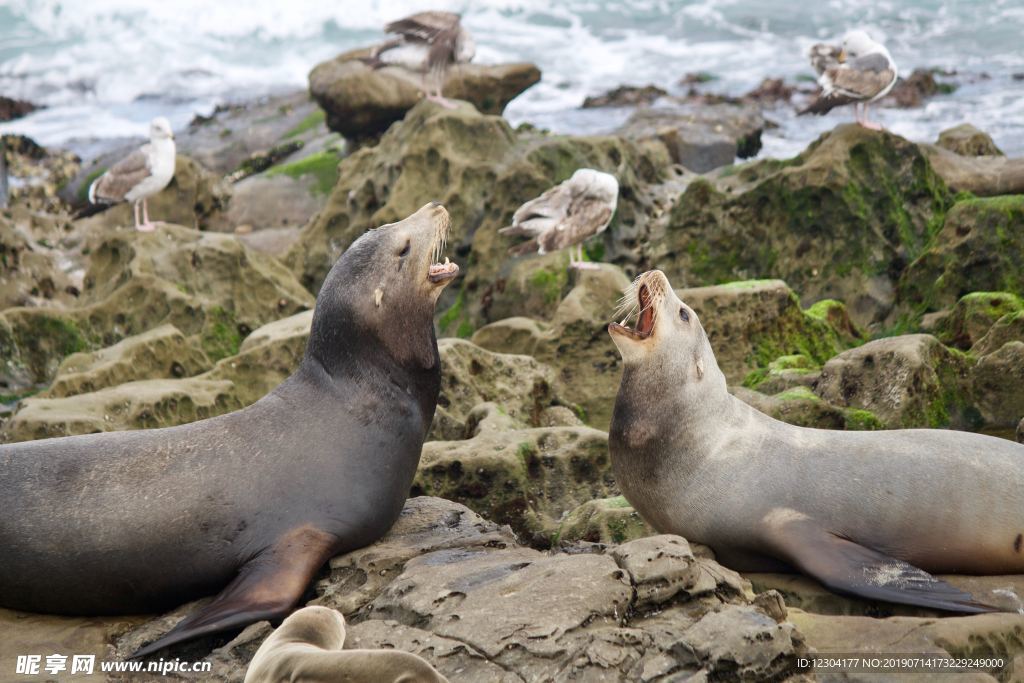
x: 700, y: 137
x: 31, y: 272
x: 906, y: 381
x: 800, y: 406
x: 978, y: 249
x: 974, y: 315
x: 838, y: 221
x: 481, y: 170
x: 361, y: 101
x: 998, y: 385
x: 1008, y: 328
x: 457, y: 590
x: 605, y: 520
x: 208, y: 285
x: 968, y: 141
x: 161, y: 353
x: 985, y: 176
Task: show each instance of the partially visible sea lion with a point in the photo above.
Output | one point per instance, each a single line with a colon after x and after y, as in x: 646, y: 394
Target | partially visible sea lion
x: 308, y: 645
x: 256, y: 500
x: 865, y: 513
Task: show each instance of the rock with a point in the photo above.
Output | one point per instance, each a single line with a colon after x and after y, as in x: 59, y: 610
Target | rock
x: 208, y: 285
x: 470, y: 375
x: 974, y: 315
x: 985, y: 176
x: 700, y: 138
x: 998, y: 385
x: 800, y: 406
x: 752, y: 323
x: 977, y: 249
x: 274, y: 202
x: 906, y: 381
x: 625, y: 96
x: 770, y: 91
x: 11, y: 108
x: 839, y: 221
x: 526, y: 478
x: 134, y: 405
x: 35, y: 175
x: 361, y: 101
x: 457, y: 590
x: 1008, y: 328
x: 31, y: 273
x: 489, y: 171
x: 785, y: 372
x: 605, y: 520
x: 161, y: 353
x: 195, y: 198
x: 968, y: 141
x: 511, y: 335
x: 913, y: 90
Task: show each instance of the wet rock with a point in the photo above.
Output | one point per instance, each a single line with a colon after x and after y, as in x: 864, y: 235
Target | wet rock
x: 839, y: 221
x: 11, y: 108
x: 968, y: 141
x: 974, y: 315
x: 998, y: 384
x: 977, y: 249
x: 752, y: 323
x: 700, y: 138
x: 161, y: 353
x: 526, y: 478
x: 913, y: 90
x: 605, y: 520
x: 457, y: 590
x: 625, y: 96
x: 984, y: 176
x: 361, y: 101
x: 906, y: 381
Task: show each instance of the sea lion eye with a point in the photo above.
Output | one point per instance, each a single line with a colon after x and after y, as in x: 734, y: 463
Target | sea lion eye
x: 405, y: 249
x: 684, y: 315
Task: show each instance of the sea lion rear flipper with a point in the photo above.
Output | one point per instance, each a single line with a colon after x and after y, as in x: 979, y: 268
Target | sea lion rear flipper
x: 844, y: 566
x: 266, y: 587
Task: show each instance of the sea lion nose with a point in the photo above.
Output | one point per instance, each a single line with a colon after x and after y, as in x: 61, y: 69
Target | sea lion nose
x: 435, y: 204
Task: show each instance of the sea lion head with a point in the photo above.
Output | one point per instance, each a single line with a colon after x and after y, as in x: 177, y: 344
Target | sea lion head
x: 378, y: 300
x: 668, y: 340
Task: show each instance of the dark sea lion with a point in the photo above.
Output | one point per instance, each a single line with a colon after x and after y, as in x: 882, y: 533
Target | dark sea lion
x: 308, y: 645
x: 865, y: 513
x: 256, y: 500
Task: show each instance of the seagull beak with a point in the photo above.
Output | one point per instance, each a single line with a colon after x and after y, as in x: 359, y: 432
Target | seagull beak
x: 842, y: 57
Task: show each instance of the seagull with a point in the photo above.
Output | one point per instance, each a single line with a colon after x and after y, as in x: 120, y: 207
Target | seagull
x: 429, y: 42
x: 140, y: 175
x: 861, y: 72
x: 566, y: 215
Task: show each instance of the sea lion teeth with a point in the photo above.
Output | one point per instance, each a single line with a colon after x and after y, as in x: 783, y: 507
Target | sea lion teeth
x: 766, y: 495
x: 378, y: 295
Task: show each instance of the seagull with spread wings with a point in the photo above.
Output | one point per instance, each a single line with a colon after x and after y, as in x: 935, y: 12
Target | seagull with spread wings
x: 859, y: 73
x: 428, y: 42
x: 566, y: 215
x: 140, y: 175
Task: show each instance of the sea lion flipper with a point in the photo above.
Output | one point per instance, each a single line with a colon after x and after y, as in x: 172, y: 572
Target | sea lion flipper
x: 267, y: 587
x: 844, y: 566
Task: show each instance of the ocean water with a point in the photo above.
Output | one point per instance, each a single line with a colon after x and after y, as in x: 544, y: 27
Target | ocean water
x: 105, y: 67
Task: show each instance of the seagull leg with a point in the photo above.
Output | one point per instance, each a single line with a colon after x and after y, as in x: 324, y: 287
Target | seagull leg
x: 580, y: 264
x: 434, y: 93
x: 870, y: 125
x: 146, y: 225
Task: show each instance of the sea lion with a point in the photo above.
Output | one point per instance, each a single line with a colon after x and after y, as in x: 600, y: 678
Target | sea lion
x: 307, y: 647
x: 256, y: 500
x: 865, y: 513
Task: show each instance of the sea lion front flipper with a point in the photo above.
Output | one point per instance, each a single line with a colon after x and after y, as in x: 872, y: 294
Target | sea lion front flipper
x: 844, y: 566
x: 266, y: 587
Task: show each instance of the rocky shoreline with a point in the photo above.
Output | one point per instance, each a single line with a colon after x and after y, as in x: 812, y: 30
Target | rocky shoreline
x: 870, y: 282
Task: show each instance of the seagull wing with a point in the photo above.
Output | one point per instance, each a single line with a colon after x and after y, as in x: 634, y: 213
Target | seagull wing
x: 858, y: 80
x: 541, y: 214
x: 587, y: 217
x: 824, y: 56
x: 425, y: 27
x: 119, y: 180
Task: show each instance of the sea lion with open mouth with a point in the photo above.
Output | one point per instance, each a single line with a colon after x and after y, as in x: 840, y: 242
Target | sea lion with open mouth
x: 865, y: 513
x: 256, y: 500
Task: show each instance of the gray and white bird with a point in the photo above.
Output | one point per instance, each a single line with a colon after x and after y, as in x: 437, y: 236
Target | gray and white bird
x: 859, y: 73
x: 140, y: 175
x: 427, y: 42
x: 566, y: 215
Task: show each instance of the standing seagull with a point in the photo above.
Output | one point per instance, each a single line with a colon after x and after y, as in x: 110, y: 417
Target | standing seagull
x: 861, y: 72
x: 140, y: 175
x: 429, y: 42
x: 566, y: 215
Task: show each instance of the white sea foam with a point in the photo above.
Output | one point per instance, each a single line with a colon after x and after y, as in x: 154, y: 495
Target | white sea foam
x: 105, y: 67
